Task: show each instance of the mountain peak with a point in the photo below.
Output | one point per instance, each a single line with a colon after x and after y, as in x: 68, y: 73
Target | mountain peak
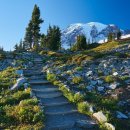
x: 94, y: 31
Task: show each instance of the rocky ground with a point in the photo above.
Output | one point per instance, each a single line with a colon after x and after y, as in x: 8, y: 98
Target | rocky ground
x: 103, y: 82
x: 107, y: 79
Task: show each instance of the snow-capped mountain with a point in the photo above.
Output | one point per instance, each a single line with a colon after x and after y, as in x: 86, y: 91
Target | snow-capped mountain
x: 94, y: 32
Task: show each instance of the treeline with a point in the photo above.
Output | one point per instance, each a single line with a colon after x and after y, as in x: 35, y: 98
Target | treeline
x: 82, y: 43
x: 34, y: 40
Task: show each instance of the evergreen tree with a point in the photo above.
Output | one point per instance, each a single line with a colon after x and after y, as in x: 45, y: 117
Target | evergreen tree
x: 32, y: 36
x: 21, y: 45
x: 119, y: 35
x: 28, y: 40
x: 43, y: 41
x: 16, y: 47
x: 53, y: 38
x: 36, y: 21
x: 110, y: 37
x: 81, y: 43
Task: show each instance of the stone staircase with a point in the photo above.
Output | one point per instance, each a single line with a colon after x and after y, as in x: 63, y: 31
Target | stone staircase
x: 60, y: 113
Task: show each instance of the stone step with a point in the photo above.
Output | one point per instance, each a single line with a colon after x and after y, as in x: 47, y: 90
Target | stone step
x: 62, y: 109
x: 36, y: 82
x: 45, y: 89
x: 54, y: 100
x: 43, y: 86
x: 61, y: 113
x: 55, y: 95
x: 56, y: 104
x: 40, y: 77
x: 32, y: 74
x: 68, y: 126
x: 61, y: 120
x: 42, y: 92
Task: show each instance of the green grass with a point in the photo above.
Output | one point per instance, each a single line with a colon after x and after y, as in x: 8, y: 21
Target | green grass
x: 17, y: 109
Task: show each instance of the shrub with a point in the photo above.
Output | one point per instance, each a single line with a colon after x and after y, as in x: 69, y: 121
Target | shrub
x: 78, y: 97
x: 21, y: 95
x: 51, y: 77
x: 83, y: 107
x: 76, y: 80
x: 100, y: 73
x: 109, y: 79
x: 25, y: 115
x: 38, y: 117
x: 79, y: 68
x: 29, y: 102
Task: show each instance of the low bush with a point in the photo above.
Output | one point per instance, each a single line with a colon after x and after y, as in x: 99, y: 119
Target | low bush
x: 76, y: 80
x: 109, y: 79
x: 78, y: 97
x: 51, y: 77
x: 83, y: 107
x: 79, y: 68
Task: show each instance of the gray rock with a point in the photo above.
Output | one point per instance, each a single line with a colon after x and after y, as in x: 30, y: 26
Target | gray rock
x: 113, y: 86
x: 100, y: 82
x: 89, y: 73
x: 93, y: 82
x: 90, y: 88
x: 109, y: 126
x: 19, y: 83
x: 115, y: 73
x: 120, y: 115
x: 100, y: 89
x: 19, y: 72
x: 100, y: 117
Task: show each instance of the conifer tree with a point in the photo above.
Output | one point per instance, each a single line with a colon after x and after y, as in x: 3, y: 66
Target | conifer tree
x: 110, y: 37
x: 119, y: 35
x: 16, y: 47
x: 81, y: 43
x: 43, y: 41
x: 36, y: 21
x: 53, y: 38
x: 32, y: 36
x: 28, y: 40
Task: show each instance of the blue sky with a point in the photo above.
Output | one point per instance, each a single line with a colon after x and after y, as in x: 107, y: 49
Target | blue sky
x: 15, y: 15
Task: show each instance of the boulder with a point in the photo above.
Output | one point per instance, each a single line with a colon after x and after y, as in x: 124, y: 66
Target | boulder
x: 113, y: 86
x: 100, y: 82
x: 120, y: 115
x: 89, y: 73
x: 93, y: 82
x: 90, y: 88
x: 19, y: 72
x: 100, y: 117
x: 19, y: 83
x: 100, y: 89
x: 115, y: 74
x: 109, y: 126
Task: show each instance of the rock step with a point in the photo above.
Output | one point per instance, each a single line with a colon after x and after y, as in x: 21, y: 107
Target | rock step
x: 43, y: 86
x: 61, y: 113
x: 68, y: 126
x: 46, y: 90
x: 65, y: 108
x: 32, y: 74
x: 37, y: 77
x: 54, y: 100
x: 70, y: 118
x: 54, y: 95
x: 36, y: 82
x: 55, y: 104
